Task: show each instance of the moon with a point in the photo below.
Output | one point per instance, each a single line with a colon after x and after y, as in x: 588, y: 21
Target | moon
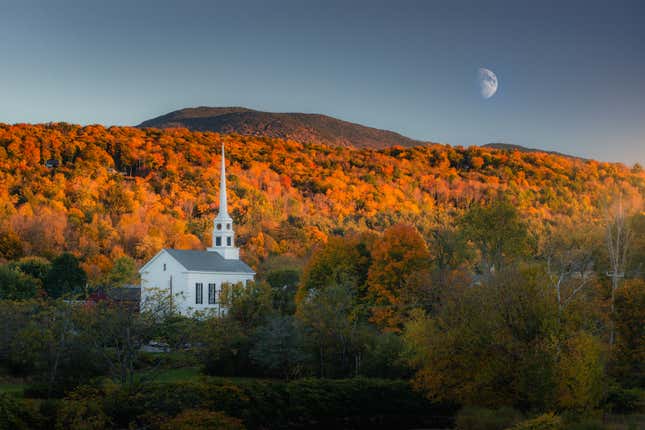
x: 488, y: 82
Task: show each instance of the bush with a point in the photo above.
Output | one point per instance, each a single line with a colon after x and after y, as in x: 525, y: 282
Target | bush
x: 543, y: 422
x: 82, y: 409
x: 356, y: 403
x: 200, y: 419
x: 476, y: 418
x: 15, y: 414
x: 588, y: 424
x: 623, y: 401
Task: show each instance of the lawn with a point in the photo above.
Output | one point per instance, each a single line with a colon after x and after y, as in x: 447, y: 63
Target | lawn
x: 176, y: 375
x: 183, y: 374
x: 12, y: 388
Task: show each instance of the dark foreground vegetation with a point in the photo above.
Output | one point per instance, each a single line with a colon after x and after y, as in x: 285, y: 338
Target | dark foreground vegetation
x: 470, y: 328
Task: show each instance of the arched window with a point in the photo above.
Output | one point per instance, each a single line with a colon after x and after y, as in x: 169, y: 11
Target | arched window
x: 219, y: 226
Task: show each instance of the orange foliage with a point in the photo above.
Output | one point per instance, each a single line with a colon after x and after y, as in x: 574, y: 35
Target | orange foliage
x: 123, y: 190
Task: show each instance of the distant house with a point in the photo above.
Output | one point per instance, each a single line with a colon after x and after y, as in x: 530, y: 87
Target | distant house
x: 52, y: 163
x: 193, y: 279
x: 127, y: 295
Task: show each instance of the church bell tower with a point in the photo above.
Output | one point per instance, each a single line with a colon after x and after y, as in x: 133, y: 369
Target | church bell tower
x: 223, y: 232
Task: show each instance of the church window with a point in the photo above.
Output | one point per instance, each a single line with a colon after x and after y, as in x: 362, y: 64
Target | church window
x: 219, y: 226
x: 228, y: 241
x: 228, y: 226
x: 218, y: 241
x: 199, y: 293
x: 164, y: 267
x: 212, y: 294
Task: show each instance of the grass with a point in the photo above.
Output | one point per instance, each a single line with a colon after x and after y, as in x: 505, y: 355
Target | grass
x: 12, y: 388
x: 183, y: 374
x: 176, y: 375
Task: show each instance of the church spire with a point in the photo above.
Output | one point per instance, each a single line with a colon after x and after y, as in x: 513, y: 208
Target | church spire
x: 223, y: 206
x: 223, y: 232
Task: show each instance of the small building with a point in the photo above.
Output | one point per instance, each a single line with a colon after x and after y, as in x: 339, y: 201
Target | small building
x: 126, y: 295
x: 52, y: 163
x: 193, y: 279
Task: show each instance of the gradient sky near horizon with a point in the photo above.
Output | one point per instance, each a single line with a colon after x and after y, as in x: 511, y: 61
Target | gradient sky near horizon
x: 571, y: 73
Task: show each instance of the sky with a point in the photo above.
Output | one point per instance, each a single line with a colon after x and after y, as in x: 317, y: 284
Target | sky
x: 571, y: 73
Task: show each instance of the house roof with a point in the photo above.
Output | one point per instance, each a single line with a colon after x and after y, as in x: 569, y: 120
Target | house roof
x: 208, y: 261
x: 127, y: 293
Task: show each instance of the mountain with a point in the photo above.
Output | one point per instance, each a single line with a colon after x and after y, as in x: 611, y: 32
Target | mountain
x: 301, y: 127
x: 520, y: 148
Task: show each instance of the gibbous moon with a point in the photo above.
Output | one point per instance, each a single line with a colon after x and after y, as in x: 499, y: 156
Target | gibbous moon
x: 487, y: 82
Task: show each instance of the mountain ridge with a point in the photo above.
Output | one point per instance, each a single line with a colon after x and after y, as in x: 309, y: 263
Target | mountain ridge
x: 301, y: 127
x: 513, y: 147
x: 298, y: 126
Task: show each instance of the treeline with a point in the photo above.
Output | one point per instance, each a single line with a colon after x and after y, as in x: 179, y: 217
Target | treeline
x: 121, y: 191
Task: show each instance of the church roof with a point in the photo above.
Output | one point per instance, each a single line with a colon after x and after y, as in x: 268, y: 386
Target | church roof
x: 208, y: 261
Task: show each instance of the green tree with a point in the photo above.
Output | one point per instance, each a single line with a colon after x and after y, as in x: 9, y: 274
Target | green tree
x: 65, y: 277
x: 498, y: 233
x: 492, y: 344
x: 123, y: 272
x: 329, y: 319
x: 224, y: 347
x: 14, y: 317
x: 49, y: 346
x: 628, y: 359
x: 116, y: 334
x: 15, y: 285
x: 279, y: 348
x: 249, y: 304
x: 284, y: 284
x: 341, y: 261
x: 36, y: 267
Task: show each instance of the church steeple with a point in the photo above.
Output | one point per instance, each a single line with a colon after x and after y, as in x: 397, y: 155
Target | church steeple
x: 223, y: 205
x: 223, y: 232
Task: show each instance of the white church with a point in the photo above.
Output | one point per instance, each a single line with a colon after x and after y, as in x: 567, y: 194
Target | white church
x: 193, y: 279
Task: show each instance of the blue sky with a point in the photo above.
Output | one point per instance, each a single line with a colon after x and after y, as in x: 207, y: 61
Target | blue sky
x: 572, y: 73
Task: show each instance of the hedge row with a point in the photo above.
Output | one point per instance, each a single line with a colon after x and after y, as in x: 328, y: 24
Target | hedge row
x: 356, y: 403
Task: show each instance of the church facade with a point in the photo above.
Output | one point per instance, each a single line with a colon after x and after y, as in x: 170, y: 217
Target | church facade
x: 193, y: 279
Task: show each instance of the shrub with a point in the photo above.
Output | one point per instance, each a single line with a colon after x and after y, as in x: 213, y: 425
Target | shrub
x: 476, y: 418
x: 82, y: 410
x: 200, y: 419
x: 16, y: 414
x: 543, y: 422
x: 621, y: 400
x: 146, y: 402
x: 350, y: 403
x: 588, y: 424
x: 10, y: 413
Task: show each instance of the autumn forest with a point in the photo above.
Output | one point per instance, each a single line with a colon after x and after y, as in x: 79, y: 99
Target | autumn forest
x: 482, y: 288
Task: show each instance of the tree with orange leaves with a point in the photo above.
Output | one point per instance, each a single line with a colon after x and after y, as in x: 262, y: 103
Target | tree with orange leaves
x: 398, y: 275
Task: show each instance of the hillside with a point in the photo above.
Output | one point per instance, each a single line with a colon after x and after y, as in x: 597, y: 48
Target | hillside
x: 301, y: 127
x: 124, y: 190
x: 520, y: 148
